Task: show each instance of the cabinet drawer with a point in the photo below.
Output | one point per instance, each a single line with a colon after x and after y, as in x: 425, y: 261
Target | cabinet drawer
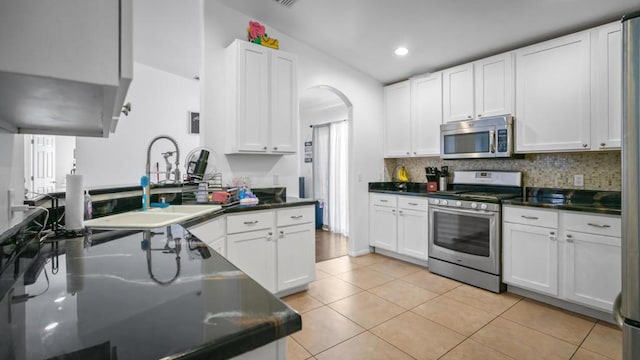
x: 530, y: 216
x: 296, y: 215
x: 382, y: 200
x: 413, y: 203
x: 249, y: 222
x: 592, y: 224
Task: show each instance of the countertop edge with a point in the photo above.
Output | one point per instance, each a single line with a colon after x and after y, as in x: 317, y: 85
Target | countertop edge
x: 569, y: 207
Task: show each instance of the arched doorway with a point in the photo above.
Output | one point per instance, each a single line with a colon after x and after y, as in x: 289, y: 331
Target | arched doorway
x: 325, y: 116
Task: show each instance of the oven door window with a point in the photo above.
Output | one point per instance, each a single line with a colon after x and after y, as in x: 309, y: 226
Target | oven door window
x: 463, y: 233
x: 469, y: 143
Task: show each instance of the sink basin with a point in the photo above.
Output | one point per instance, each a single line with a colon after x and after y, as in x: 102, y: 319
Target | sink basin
x: 154, y: 218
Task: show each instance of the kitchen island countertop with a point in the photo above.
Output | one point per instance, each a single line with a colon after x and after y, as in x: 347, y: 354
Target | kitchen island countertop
x: 136, y: 295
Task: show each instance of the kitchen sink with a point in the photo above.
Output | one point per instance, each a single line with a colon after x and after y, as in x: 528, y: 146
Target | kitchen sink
x: 153, y: 218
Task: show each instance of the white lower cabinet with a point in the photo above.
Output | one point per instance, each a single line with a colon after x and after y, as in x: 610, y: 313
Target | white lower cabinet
x: 399, y: 224
x: 577, y: 259
x: 212, y: 233
x: 276, y: 248
x: 530, y: 257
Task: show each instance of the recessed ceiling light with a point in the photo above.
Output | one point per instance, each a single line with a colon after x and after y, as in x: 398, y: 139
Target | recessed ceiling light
x: 402, y: 51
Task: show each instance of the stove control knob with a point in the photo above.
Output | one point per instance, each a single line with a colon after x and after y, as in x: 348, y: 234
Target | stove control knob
x: 458, y: 203
x: 483, y: 206
x: 474, y: 205
x: 436, y: 201
x: 445, y: 202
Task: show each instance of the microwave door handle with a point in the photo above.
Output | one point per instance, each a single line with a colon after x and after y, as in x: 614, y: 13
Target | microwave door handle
x: 492, y: 141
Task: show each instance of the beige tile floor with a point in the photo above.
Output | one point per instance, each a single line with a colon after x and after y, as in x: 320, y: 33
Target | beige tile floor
x: 376, y: 307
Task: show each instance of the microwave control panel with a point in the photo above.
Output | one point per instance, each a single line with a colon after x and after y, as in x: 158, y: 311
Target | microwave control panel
x: 502, y: 140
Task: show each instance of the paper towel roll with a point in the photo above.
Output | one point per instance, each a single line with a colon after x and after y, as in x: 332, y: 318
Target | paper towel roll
x: 74, y: 203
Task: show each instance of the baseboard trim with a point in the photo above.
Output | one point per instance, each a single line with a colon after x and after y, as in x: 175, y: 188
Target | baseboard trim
x: 401, y: 257
x: 596, y: 314
x: 359, y: 252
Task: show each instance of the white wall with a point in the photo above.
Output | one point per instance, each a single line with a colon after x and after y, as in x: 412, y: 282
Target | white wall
x: 161, y: 102
x: 11, y: 176
x: 221, y: 26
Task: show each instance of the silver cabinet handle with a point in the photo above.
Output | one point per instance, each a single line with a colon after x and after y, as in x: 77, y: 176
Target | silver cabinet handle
x: 281, y: 234
x: 251, y: 222
x: 296, y: 217
x: 601, y: 226
x: 569, y: 238
x: 414, y: 204
x: 529, y: 217
x: 400, y: 212
x: 552, y: 236
x: 479, y: 115
x: 585, y: 145
x: 408, y: 153
x: 383, y: 200
x: 393, y: 211
x: 275, y: 148
x: 469, y: 117
x: 602, y: 144
x: 265, y: 148
x: 268, y: 237
x: 415, y: 153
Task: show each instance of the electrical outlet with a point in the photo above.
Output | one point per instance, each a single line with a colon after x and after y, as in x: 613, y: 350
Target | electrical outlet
x: 578, y: 180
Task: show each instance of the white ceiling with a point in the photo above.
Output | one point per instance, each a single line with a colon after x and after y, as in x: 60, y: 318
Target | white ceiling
x: 438, y: 33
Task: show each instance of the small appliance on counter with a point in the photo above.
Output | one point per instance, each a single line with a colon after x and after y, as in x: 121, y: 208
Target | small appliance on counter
x: 444, y: 178
x: 433, y: 175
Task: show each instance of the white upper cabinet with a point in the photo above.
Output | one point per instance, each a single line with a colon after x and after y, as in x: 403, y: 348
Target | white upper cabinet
x: 606, y: 103
x: 552, y: 95
x: 413, y: 114
x: 457, y: 93
x: 397, y: 117
x: 494, y: 86
x: 65, y: 66
x: 426, y: 114
x: 261, y: 99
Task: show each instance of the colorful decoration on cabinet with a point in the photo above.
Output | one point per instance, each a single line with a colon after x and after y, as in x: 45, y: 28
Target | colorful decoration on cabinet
x: 257, y: 35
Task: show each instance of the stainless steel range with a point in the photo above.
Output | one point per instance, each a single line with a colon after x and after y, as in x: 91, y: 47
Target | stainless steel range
x: 465, y: 241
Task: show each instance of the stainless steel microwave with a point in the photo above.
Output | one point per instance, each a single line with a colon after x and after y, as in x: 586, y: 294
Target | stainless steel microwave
x: 475, y: 139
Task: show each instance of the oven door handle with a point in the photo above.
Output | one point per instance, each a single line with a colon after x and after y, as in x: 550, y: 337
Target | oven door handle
x: 464, y: 211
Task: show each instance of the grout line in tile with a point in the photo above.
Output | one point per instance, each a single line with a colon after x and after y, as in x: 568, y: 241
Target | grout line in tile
x: 402, y: 351
x: 585, y: 339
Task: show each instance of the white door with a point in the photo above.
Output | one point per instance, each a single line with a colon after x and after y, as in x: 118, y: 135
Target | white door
x: 296, y: 255
x: 552, y: 95
x: 530, y: 257
x: 457, y: 93
x: 43, y: 173
x: 607, y: 96
x: 382, y: 229
x: 253, y: 99
x: 592, y: 268
x: 494, y: 86
x: 397, y: 119
x: 426, y: 114
x: 284, y: 102
x: 253, y: 252
x: 413, y: 233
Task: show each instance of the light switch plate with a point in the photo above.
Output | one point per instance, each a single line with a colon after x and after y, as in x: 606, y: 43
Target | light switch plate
x: 578, y: 180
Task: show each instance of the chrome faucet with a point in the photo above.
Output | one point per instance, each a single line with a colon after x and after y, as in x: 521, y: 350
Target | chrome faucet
x: 148, y: 168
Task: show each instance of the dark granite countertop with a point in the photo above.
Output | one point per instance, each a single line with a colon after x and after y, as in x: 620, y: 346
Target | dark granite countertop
x: 593, y: 201
x: 410, y: 189
x: 135, y: 295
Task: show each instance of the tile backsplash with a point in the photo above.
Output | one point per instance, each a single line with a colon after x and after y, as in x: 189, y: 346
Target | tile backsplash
x: 601, y: 170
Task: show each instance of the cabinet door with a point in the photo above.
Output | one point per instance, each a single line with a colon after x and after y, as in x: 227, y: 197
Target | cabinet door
x: 397, y: 119
x: 413, y: 233
x: 253, y: 101
x: 295, y: 255
x: 219, y: 245
x: 382, y: 227
x: 254, y: 253
x: 284, y: 102
x: 530, y: 258
x: 552, y: 95
x: 209, y: 231
x: 592, y: 268
x: 607, y: 96
x: 457, y: 93
x: 426, y: 114
x: 494, y: 86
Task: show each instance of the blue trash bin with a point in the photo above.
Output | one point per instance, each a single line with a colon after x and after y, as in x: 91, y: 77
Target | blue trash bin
x: 319, y: 214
